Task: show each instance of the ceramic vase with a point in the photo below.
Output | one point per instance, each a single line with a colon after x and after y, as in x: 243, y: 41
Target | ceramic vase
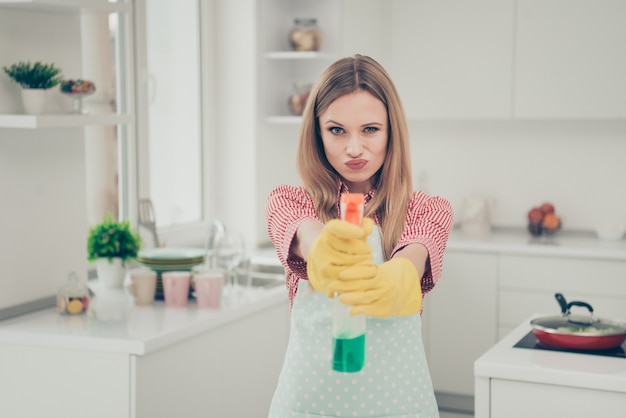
x: 34, y: 101
x: 111, y: 273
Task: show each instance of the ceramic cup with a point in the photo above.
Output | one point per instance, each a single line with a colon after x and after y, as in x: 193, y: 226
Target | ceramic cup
x: 142, y: 286
x: 208, y: 285
x: 176, y: 288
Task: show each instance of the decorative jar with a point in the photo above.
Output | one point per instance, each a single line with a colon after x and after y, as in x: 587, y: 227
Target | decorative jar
x: 305, y: 35
x: 73, y: 298
x: 298, y: 98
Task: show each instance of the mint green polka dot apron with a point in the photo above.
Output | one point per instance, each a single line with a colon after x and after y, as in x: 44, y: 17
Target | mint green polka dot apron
x: 394, y: 382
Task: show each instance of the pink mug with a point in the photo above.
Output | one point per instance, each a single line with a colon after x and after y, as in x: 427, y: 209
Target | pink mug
x: 208, y: 285
x: 176, y: 288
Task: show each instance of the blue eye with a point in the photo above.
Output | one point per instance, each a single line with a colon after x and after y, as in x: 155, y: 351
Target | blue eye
x: 371, y: 129
x: 335, y: 130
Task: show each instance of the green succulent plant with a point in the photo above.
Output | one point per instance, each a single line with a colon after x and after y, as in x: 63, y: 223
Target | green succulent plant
x: 34, y: 76
x: 113, y: 239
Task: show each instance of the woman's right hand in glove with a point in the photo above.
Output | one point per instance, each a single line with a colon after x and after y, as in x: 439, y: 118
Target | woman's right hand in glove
x: 340, y: 245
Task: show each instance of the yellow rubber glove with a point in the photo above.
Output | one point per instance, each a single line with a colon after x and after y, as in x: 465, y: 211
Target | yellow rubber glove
x: 390, y: 289
x: 340, y: 245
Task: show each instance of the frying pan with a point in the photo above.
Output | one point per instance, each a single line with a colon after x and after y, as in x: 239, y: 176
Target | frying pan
x: 578, y: 332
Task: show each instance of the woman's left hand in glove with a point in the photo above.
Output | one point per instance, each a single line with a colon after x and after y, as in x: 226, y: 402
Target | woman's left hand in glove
x: 389, y: 289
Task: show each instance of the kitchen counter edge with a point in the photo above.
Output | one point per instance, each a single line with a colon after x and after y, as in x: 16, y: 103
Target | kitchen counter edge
x: 47, y: 328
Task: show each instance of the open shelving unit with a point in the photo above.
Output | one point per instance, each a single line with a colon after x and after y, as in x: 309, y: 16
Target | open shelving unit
x: 71, y: 7
x: 279, y: 66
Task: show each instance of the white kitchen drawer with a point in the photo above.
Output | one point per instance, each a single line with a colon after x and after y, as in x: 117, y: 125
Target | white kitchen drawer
x: 511, y: 399
x: 566, y: 275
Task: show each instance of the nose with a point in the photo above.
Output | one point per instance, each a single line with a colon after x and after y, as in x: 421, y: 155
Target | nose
x: 354, y: 148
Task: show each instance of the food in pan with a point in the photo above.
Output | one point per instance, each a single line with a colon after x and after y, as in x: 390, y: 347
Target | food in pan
x: 587, y: 330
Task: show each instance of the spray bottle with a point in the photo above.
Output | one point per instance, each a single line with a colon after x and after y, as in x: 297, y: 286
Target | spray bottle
x: 349, y: 330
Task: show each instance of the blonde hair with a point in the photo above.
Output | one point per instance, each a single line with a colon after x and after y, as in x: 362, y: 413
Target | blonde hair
x: 392, y: 182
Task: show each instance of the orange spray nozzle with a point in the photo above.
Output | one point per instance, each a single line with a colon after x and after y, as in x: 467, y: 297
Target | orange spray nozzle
x: 352, y: 207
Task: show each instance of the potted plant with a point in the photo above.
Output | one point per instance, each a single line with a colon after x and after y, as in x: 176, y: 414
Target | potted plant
x: 111, y: 245
x: 34, y: 79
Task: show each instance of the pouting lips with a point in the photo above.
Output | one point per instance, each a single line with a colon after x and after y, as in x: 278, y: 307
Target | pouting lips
x: 356, y: 164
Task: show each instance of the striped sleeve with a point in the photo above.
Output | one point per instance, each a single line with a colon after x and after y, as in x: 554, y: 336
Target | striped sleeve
x: 429, y: 221
x: 287, y: 207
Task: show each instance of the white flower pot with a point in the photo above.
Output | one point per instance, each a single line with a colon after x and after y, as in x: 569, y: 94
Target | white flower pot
x: 34, y: 101
x: 111, y: 274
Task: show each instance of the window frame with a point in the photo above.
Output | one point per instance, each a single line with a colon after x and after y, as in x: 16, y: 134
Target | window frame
x: 137, y: 159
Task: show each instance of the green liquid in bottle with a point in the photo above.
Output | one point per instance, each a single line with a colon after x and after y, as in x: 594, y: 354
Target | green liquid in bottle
x: 348, y: 354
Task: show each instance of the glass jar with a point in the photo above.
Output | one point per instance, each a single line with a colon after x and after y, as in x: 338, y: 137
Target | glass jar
x: 298, y: 98
x: 73, y: 298
x: 305, y: 35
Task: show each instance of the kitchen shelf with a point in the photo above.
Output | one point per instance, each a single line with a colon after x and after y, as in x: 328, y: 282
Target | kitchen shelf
x: 296, y: 55
x: 68, y: 6
x: 284, y: 120
x: 62, y: 121
x: 280, y: 69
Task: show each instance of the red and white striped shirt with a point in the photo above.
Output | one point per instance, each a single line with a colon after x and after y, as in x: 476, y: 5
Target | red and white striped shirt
x: 429, y: 221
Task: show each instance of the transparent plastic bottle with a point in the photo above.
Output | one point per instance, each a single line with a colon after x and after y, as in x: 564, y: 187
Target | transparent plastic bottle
x: 349, y: 330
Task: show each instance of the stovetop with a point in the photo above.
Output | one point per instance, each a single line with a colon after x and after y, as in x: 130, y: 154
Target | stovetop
x: 530, y: 341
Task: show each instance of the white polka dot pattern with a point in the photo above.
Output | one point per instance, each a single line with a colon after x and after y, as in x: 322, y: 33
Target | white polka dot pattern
x: 394, y: 382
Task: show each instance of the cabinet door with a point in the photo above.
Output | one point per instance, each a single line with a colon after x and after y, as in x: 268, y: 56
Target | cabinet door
x: 460, y: 316
x: 63, y: 383
x: 570, y: 60
x: 453, y: 58
x: 512, y: 399
x: 230, y: 371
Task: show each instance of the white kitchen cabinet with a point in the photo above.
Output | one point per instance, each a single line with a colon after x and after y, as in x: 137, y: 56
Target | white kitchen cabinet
x: 569, y: 59
x: 492, y: 284
x: 512, y: 399
x: 227, y: 371
x: 452, y: 59
x: 527, y: 59
x: 63, y: 383
x: 460, y: 317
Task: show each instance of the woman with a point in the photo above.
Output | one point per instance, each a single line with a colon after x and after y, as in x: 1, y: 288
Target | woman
x: 354, y: 138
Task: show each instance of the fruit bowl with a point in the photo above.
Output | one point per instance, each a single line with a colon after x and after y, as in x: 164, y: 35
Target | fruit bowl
x: 77, y: 89
x: 543, y: 221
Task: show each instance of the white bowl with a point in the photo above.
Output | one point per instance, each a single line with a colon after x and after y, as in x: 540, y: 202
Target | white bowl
x: 610, y: 232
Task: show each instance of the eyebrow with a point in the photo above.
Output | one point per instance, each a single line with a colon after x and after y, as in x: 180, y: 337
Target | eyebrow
x: 332, y: 122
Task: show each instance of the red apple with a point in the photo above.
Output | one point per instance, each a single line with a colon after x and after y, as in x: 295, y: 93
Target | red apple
x: 547, y: 208
x: 535, y: 215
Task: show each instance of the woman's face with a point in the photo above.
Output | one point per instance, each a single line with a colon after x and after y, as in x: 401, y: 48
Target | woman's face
x: 354, y: 134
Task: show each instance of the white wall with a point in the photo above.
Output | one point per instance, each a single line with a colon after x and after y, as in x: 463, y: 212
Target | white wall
x: 43, y: 224
x: 236, y: 114
x: 577, y: 165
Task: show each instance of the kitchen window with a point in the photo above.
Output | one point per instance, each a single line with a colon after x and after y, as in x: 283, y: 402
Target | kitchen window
x: 173, y: 85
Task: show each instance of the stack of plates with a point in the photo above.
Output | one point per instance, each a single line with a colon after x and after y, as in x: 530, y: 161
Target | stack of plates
x: 169, y: 259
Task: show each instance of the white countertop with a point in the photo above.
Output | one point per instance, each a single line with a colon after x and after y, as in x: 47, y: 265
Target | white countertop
x: 520, y: 242
x: 145, y: 329
x: 503, y: 361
